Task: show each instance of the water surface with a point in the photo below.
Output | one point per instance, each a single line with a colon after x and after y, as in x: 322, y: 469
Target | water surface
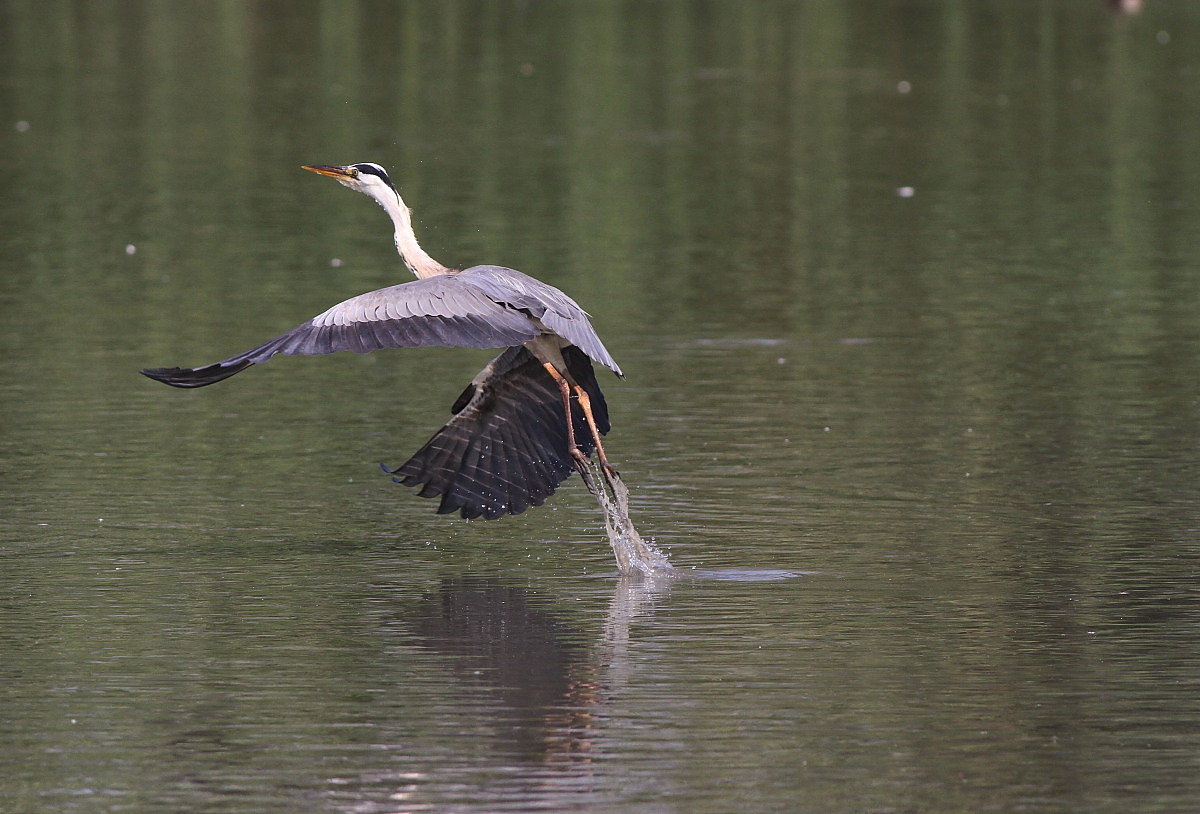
x: 906, y: 297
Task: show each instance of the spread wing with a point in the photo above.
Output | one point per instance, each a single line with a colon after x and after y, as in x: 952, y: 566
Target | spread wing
x: 505, y: 449
x: 551, y: 307
x: 438, y: 310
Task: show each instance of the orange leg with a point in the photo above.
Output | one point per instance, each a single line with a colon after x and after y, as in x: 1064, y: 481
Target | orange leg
x: 564, y: 388
x: 585, y: 404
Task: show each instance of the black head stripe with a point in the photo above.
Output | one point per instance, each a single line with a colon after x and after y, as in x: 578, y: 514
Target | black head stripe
x: 376, y: 170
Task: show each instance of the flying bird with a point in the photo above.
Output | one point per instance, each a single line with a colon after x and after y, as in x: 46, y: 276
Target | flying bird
x: 531, y: 416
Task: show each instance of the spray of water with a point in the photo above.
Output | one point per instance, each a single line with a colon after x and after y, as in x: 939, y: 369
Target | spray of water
x: 634, y: 554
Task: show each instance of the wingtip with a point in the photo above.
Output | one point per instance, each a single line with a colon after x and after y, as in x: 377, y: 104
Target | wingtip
x: 193, y: 377
x: 166, y: 375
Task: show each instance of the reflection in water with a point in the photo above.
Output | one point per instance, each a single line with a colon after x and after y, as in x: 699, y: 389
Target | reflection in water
x: 548, y: 685
x: 499, y: 639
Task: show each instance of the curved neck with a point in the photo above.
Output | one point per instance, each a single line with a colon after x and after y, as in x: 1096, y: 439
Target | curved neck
x: 417, y: 260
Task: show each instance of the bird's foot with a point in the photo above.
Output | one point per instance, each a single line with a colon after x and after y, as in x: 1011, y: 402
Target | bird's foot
x: 581, y: 466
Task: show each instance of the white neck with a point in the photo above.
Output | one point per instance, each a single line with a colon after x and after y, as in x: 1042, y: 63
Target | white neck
x: 418, y: 262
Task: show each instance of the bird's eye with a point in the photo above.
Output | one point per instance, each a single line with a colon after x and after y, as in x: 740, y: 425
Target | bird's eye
x: 353, y: 172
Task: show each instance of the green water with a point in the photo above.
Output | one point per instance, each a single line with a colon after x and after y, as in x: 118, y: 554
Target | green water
x: 907, y: 298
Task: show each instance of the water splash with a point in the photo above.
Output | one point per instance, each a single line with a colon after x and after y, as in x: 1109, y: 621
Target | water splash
x: 641, y: 560
x: 634, y: 554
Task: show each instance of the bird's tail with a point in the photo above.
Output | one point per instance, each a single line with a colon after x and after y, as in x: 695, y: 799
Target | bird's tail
x: 505, y: 449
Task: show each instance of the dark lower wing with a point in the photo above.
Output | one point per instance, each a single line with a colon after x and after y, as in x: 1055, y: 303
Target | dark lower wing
x: 505, y: 449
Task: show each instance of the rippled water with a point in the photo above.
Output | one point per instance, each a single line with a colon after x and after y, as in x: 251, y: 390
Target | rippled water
x: 907, y: 301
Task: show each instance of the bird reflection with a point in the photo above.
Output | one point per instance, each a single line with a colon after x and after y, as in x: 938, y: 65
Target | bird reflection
x: 501, y: 640
x: 546, y: 683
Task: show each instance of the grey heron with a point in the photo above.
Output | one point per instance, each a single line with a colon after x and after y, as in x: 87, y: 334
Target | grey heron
x: 534, y: 413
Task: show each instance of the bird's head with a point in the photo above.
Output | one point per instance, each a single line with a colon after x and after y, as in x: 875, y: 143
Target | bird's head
x: 369, y: 179
x: 372, y: 180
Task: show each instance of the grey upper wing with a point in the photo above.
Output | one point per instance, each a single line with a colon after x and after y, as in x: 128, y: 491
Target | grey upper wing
x: 547, y: 304
x: 434, y: 311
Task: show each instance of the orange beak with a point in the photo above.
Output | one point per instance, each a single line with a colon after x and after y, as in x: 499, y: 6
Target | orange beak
x: 340, y: 173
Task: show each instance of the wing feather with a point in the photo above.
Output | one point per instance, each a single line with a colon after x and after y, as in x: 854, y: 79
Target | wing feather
x: 554, y: 309
x: 506, y: 448
x: 434, y: 311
